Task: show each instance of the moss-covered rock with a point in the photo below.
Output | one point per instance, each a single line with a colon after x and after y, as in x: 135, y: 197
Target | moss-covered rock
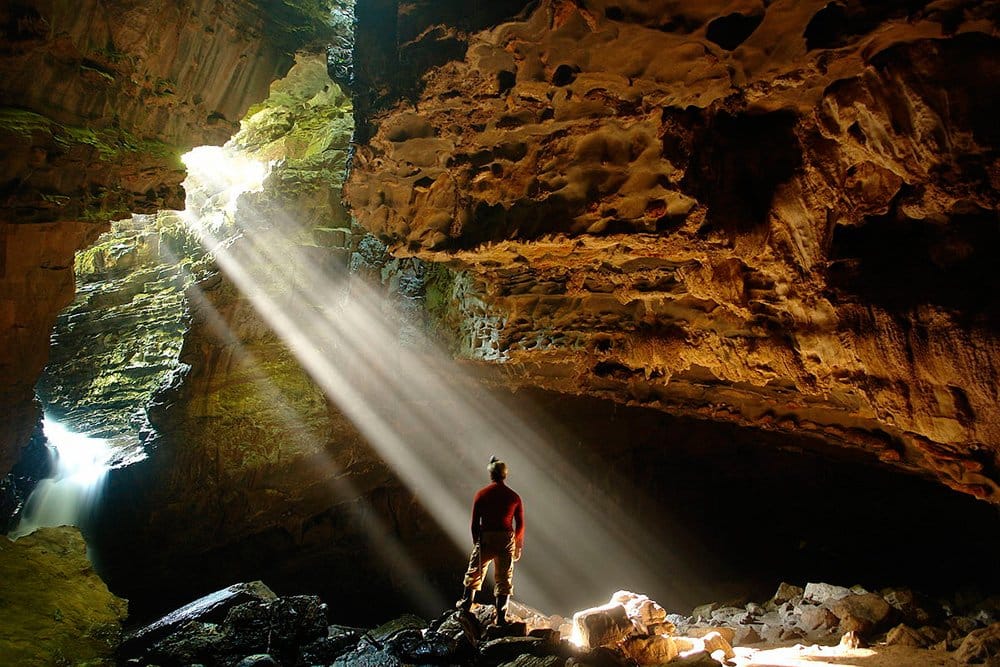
x: 54, y: 609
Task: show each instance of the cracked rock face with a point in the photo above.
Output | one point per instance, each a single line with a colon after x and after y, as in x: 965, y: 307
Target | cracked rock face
x: 773, y: 214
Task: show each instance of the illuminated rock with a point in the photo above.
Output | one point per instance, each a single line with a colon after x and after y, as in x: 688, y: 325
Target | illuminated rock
x: 864, y: 614
x: 647, y: 616
x: 650, y: 650
x: 787, y: 593
x: 602, y: 626
x: 821, y: 593
x: 715, y: 642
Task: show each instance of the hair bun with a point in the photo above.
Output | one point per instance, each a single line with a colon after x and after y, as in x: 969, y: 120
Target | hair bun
x: 493, y: 459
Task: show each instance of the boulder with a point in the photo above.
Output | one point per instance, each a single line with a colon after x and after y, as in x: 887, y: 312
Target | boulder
x: 602, y: 626
x: 787, y: 593
x: 746, y: 635
x: 280, y: 625
x: 727, y: 633
x: 697, y: 659
x: 904, y: 635
x: 647, y: 616
x: 704, y: 611
x: 507, y: 649
x: 727, y: 615
x: 211, y: 608
x: 650, y: 649
x: 815, y: 619
x: 535, y: 661
x: 430, y: 647
x: 715, y: 643
x: 323, y: 651
x: 600, y: 657
x: 866, y: 613
x: 258, y: 660
x: 979, y: 645
x: 404, y: 622
x: 821, y: 593
x: 912, y: 607
x: 281, y: 628
x: 54, y: 609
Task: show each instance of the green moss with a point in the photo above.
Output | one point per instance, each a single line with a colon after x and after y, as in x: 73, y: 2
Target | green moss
x: 112, y: 144
x: 21, y: 122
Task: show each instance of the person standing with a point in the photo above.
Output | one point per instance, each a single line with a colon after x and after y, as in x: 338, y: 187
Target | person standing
x: 497, y: 537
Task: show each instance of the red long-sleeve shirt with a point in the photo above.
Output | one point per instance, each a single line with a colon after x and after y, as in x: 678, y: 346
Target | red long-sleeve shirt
x: 497, y: 507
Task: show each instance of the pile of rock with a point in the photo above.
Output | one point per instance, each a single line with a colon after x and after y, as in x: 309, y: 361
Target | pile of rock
x: 824, y: 613
x: 640, y: 630
x: 247, y: 625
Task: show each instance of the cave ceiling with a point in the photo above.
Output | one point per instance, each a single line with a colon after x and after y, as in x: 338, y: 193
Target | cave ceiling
x: 774, y: 214
x: 778, y: 214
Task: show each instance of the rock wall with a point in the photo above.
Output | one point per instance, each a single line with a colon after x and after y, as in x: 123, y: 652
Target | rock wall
x: 773, y: 214
x: 97, y: 102
x: 55, y: 609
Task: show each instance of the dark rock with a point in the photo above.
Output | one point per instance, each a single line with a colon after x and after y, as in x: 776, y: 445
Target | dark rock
x: 258, y: 660
x: 432, y: 648
x: 535, y: 661
x: 464, y: 628
x: 208, y: 609
x: 980, y: 645
x: 548, y: 634
x: 602, y: 657
x: 404, y: 622
x: 327, y: 649
x: 904, y: 635
x: 506, y: 649
x: 515, y: 629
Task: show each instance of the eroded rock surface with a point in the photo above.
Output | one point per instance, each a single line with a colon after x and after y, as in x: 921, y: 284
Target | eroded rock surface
x: 775, y: 214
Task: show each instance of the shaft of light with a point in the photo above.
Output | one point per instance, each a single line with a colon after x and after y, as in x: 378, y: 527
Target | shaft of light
x: 436, y: 427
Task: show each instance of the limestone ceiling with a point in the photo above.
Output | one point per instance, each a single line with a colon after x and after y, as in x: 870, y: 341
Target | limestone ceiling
x: 780, y: 214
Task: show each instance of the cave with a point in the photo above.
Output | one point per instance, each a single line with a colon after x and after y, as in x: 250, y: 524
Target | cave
x: 279, y: 281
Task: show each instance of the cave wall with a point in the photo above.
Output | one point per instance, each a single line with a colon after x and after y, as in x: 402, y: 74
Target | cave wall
x: 771, y: 214
x: 97, y: 102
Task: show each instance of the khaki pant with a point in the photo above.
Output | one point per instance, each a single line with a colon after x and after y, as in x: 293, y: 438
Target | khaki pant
x: 496, y: 546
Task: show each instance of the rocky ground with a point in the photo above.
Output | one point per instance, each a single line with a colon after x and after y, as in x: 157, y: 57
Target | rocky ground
x: 821, y: 624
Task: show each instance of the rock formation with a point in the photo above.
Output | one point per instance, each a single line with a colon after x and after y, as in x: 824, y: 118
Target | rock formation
x: 97, y: 102
x: 54, y: 609
x: 775, y: 214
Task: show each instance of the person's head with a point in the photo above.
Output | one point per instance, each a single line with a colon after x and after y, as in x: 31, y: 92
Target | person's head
x: 497, y: 469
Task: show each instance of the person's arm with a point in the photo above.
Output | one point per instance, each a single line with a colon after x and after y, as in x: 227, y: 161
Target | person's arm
x: 477, y: 518
x: 519, y: 524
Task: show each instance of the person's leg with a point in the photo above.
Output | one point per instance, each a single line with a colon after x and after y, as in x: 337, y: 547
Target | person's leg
x: 473, y: 580
x: 503, y: 573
